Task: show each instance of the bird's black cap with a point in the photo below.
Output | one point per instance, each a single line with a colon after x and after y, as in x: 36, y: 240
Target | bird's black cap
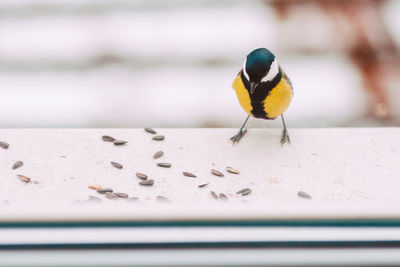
x: 258, y: 63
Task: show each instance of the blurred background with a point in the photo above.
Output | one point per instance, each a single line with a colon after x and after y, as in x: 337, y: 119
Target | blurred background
x: 118, y: 63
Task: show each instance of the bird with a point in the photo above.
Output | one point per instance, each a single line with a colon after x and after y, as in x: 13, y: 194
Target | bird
x: 263, y: 89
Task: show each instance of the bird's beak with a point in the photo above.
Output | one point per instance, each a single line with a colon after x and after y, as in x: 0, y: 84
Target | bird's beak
x: 253, y: 86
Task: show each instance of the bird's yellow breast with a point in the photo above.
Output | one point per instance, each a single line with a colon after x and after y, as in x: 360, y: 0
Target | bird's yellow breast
x: 242, y: 94
x: 274, y: 103
x: 278, y: 99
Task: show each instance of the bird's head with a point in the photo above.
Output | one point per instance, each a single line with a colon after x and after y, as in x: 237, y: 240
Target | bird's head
x: 260, y: 66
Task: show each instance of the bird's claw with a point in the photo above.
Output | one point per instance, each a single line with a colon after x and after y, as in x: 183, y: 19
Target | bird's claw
x: 236, y: 138
x: 285, y: 138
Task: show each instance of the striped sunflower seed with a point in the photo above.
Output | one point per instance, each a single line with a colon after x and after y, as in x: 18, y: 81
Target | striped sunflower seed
x: 119, y: 142
x: 217, y: 173
x: 24, y: 178
x: 141, y: 175
x: 232, y: 170
x: 244, y: 191
x: 304, y: 195
x: 214, y: 195
x: 162, y: 199
x: 116, y: 165
x: 159, y: 137
x: 164, y: 164
x: 223, y: 196
x: 189, y: 174
x: 158, y: 154
x: 4, y: 145
x: 122, y: 195
x: 148, y: 182
x: 17, y: 165
x: 104, y: 190
x: 107, y: 138
x: 111, y: 195
x: 150, y: 130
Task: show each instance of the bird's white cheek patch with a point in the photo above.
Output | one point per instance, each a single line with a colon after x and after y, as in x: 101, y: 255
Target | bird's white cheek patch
x: 273, y: 71
x: 244, y: 70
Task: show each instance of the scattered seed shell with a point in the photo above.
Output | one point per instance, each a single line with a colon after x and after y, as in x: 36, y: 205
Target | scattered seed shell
x: 159, y: 137
x: 214, y: 195
x: 4, y: 145
x: 217, y: 173
x: 162, y: 199
x: 148, y: 182
x: 119, y: 142
x: 189, y: 174
x: 203, y: 185
x: 17, y: 165
x: 24, y: 178
x: 150, y: 130
x: 232, y: 170
x: 244, y: 191
x: 104, y: 190
x: 164, y: 164
x: 122, y: 195
x: 304, y: 195
x: 141, y: 175
x: 223, y: 196
x: 158, y: 154
x: 111, y: 195
x: 95, y: 187
x: 107, y: 138
x: 116, y: 165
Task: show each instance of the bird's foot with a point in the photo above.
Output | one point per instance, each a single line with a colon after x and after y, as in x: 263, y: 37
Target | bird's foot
x: 236, y: 138
x: 285, y: 138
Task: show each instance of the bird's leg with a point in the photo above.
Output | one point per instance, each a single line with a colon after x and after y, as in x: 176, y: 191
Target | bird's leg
x: 236, y: 138
x: 285, y: 136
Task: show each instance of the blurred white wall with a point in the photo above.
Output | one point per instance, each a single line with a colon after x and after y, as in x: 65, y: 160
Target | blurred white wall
x: 164, y: 64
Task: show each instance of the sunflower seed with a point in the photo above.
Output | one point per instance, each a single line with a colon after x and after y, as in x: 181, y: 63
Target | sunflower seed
x: 148, y: 182
x: 24, y: 178
x: 4, y: 145
x: 223, y: 196
x: 121, y: 195
x: 107, y: 138
x: 17, y: 165
x: 116, y: 165
x: 202, y: 185
x: 214, y: 195
x: 304, y: 195
x: 158, y: 154
x: 119, y: 142
x: 104, y: 190
x: 149, y: 130
x: 232, y: 170
x: 132, y: 199
x: 162, y: 199
x: 95, y: 187
x: 217, y: 173
x: 158, y: 137
x: 164, y: 164
x: 189, y: 174
x: 111, y: 195
x: 141, y: 176
x: 244, y: 191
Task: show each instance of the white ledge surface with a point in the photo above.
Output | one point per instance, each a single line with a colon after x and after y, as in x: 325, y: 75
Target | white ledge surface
x: 347, y: 171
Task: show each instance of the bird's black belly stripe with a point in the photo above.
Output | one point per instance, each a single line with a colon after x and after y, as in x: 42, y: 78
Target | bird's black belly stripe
x: 260, y: 94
